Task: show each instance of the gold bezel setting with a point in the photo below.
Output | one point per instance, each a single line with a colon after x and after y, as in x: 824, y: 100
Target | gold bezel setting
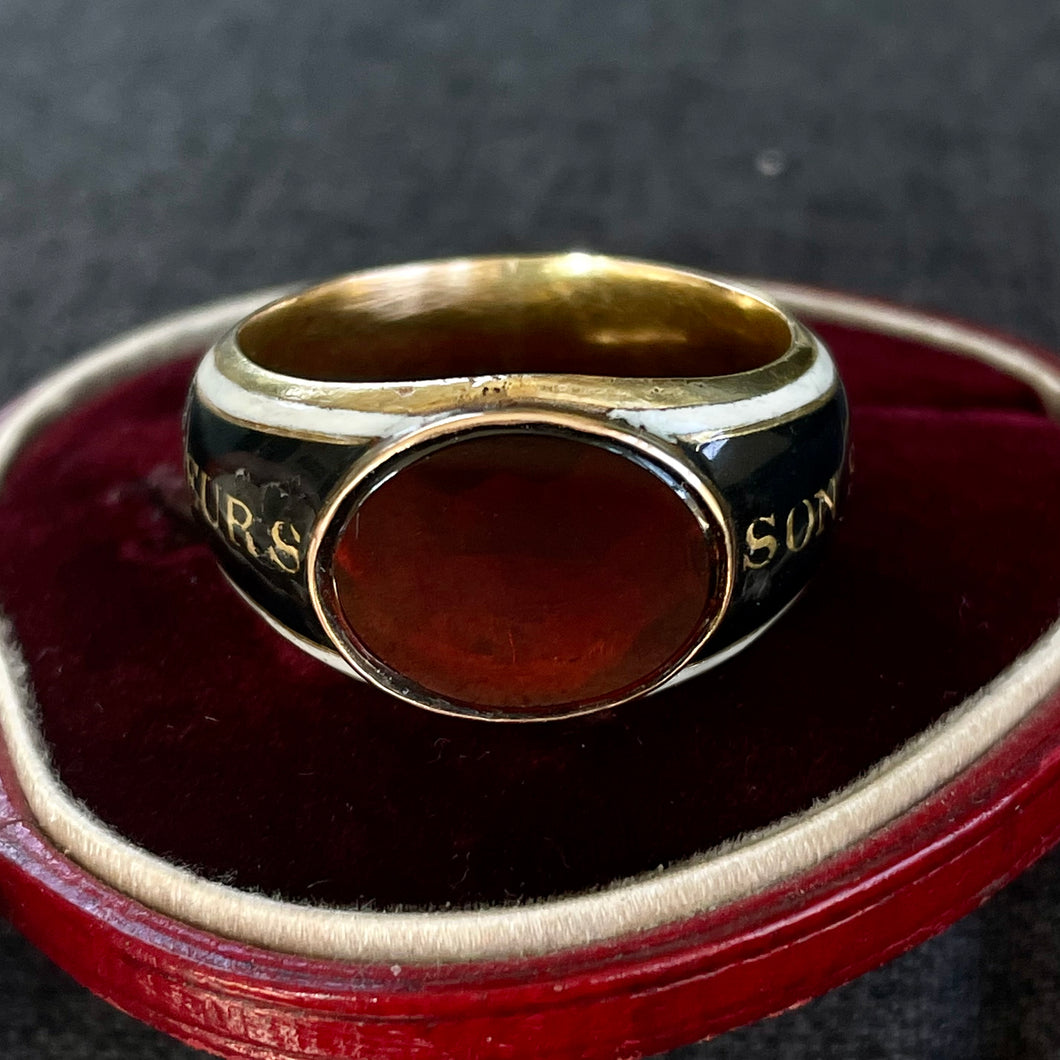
x: 390, y: 457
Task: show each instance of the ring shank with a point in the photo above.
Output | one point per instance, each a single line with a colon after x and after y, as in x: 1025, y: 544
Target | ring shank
x: 275, y: 463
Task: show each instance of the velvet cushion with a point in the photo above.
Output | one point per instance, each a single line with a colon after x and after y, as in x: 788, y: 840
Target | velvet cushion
x: 180, y: 719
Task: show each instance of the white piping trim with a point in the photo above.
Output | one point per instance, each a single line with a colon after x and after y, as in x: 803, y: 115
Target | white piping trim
x: 746, y: 866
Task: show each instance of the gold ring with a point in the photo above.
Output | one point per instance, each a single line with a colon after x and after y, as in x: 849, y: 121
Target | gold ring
x: 519, y: 488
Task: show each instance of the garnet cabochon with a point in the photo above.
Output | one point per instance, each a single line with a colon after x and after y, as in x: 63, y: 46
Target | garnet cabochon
x: 526, y: 573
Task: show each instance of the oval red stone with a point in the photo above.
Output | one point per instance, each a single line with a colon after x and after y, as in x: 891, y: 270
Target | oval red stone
x: 527, y: 574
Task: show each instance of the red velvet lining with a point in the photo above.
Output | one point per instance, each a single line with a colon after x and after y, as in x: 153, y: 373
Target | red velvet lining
x: 180, y: 719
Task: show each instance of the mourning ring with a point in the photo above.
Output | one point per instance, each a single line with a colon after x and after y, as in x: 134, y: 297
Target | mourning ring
x: 519, y: 488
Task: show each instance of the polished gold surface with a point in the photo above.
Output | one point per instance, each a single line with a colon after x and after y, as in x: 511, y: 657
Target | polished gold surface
x: 554, y: 390
x: 575, y: 314
x: 574, y: 331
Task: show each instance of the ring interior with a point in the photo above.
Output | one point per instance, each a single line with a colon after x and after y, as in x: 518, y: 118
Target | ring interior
x: 572, y: 314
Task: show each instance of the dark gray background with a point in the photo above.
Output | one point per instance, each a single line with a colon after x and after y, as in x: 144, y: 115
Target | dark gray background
x: 153, y: 156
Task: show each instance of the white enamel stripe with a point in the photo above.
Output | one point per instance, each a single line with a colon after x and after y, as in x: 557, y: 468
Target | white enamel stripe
x: 261, y: 411
x: 694, y: 669
x: 704, y: 421
x: 341, y: 424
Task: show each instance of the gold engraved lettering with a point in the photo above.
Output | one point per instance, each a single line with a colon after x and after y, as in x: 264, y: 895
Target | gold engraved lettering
x: 286, y: 556
x: 762, y: 547
x: 207, y: 484
x: 238, y: 519
x: 233, y: 524
x: 795, y: 543
x: 826, y: 502
x: 757, y: 542
x: 191, y: 472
